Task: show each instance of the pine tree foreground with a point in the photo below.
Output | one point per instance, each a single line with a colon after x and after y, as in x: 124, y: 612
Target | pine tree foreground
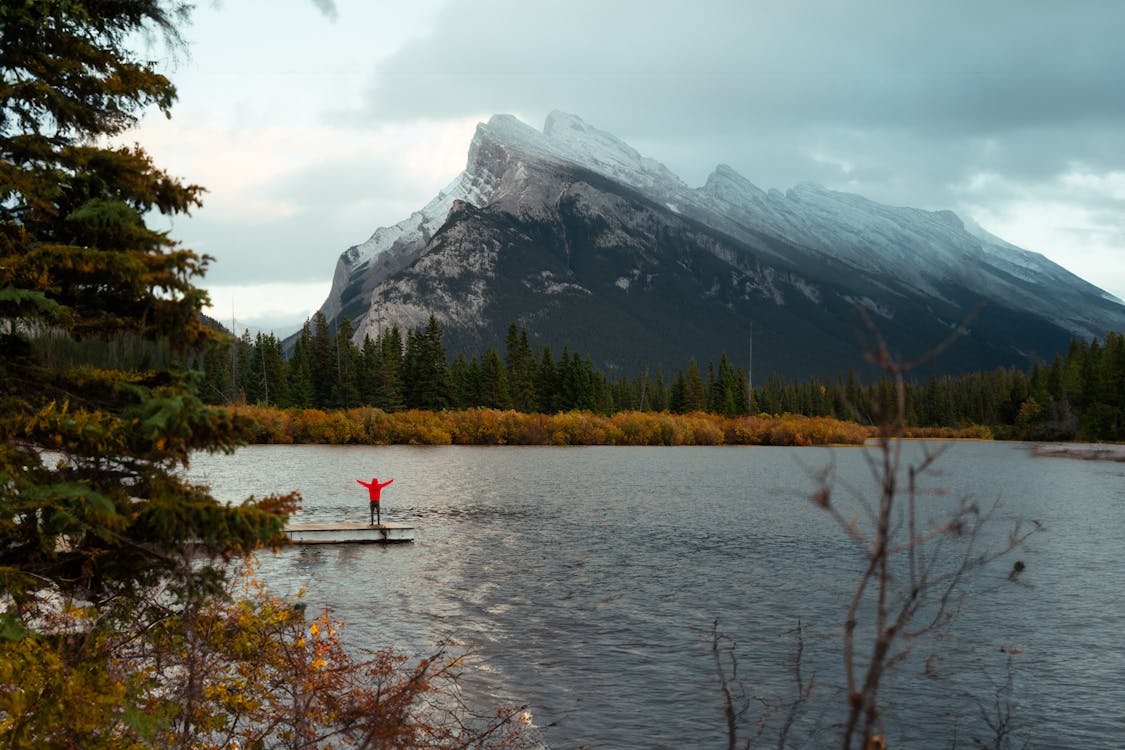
x: 117, y: 629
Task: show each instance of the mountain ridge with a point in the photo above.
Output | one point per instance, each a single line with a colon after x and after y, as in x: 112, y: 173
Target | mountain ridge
x: 574, y: 234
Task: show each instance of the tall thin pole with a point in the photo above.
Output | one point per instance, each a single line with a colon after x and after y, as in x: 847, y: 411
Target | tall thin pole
x: 265, y: 375
x: 233, y: 356
x: 644, y: 384
x: 750, y: 373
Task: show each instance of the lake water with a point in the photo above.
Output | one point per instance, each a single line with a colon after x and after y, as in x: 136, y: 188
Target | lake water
x: 587, y: 581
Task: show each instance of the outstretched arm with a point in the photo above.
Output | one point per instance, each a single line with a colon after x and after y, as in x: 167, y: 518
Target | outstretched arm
x: 384, y: 484
x: 366, y: 484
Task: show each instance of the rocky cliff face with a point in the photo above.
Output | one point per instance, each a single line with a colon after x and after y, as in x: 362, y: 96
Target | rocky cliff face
x: 573, y: 234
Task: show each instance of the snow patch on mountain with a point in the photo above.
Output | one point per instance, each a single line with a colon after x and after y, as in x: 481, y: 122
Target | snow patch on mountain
x: 883, y: 311
x: 392, y: 249
x: 546, y: 282
x: 811, y: 292
x: 568, y: 140
x: 531, y: 175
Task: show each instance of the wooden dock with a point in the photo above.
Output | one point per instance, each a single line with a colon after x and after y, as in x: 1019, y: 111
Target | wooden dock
x: 348, y: 532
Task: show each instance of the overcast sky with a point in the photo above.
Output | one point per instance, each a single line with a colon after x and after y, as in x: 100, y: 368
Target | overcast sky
x: 314, y: 122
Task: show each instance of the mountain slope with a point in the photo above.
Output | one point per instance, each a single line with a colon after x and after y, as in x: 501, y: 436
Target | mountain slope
x: 575, y: 235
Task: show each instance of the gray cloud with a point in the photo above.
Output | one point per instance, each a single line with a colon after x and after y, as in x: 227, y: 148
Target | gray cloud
x: 301, y: 247
x: 907, y: 103
x: 328, y: 8
x: 1024, y: 75
x: 334, y: 204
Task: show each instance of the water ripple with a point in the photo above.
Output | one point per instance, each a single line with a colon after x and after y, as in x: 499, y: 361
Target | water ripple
x: 587, y: 580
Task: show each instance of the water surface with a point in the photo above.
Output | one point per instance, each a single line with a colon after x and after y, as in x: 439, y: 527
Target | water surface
x: 587, y: 581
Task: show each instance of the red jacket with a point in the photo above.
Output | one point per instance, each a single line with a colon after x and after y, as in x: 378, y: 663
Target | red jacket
x: 374, y: 488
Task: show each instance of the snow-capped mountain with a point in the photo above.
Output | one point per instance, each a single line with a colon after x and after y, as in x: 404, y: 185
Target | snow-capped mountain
x: 575, y: 235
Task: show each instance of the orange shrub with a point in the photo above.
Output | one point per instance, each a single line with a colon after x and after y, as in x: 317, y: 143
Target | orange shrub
x: 495, y: 427
x: 970, y: 432
x: 745, y: 431
x: 268, y: 424
x: 698, y: 428
x: 370, y: 426
x: 581, y: 428
x: 418, y: 427
x: 374, y: 426
x: 640, y: 428
x: 527, y: 429
x: 323, y: 428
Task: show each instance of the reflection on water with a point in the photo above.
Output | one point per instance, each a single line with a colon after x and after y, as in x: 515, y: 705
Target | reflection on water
x: 587, y: 580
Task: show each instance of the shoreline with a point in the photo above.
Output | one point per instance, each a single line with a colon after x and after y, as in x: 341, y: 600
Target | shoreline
x: 1083, y: 451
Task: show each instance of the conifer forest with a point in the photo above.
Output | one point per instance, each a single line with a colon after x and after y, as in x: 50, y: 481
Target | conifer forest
x: 1079, y: 395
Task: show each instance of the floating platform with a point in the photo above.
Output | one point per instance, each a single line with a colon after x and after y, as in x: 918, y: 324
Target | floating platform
x: 349, y: 532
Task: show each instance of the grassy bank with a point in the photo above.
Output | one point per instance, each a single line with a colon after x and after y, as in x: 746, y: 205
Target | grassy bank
x: 369, y: 426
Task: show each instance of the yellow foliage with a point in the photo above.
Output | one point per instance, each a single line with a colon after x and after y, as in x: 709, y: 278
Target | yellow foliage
x: 370, y: 426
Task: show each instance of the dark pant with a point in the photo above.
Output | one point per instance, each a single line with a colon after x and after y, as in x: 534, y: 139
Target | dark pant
x: 375, y: 513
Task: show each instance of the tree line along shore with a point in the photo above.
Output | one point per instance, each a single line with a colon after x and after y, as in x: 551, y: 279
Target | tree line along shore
x: 403, y: 389
x: 330, y: 390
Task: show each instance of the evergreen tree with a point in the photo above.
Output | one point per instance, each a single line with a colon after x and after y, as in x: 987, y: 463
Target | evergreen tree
x: 593, y: 393
x: 771, y: 396
x: 676, y: 394
x: 216, y: 386
x: 693, y: 395
x: 322, y: 362
x: 246, y: 374
x: 741, y: 387
x: 346, y: 385
x: 603, y: 395
x: 493, y: 382
x: 521, y: 370
x: 388, y: 385
x: 547, y: 383
x: 93, y: 508
x: 640, y: 394
x: 723, y: 392
x: 275, y: 387
x: 302, y: 390
x: 576, y: 385
x: 369, y: 363
x: 464, y: 382
x: 660, y: 397
x: 425, y: 370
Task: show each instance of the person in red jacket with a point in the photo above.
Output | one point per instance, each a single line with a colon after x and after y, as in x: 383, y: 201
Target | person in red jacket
x: 374, y: 490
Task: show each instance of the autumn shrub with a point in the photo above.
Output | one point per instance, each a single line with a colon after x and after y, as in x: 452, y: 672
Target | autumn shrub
x: 269, y: 425
x: 371, y: 426
x: 482, y: 426
x: 527, y: 429
x: 420, y: 427
x: 581, y: 428
x: 636, y: 428
x: 46, y: 700
x: 465, y: 427
x: 744, y: 431
x: 830, y: 431
x: 667, y: 429
x: 699, y: 428
x: 253, y: 670
x: 968, y: 432
x: 477, y: 426
x: 324, y: 427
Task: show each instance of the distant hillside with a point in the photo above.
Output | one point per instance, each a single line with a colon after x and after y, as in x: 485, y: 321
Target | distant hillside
x: 574, y: 235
